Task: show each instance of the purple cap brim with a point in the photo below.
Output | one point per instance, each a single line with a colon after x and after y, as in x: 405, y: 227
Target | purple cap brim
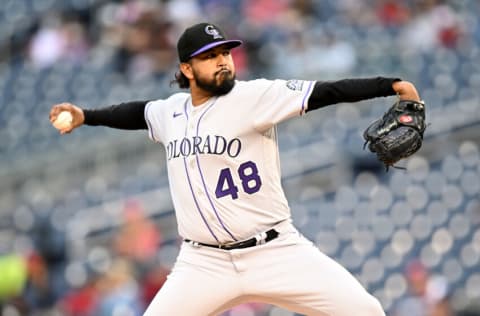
x: 234, y: 43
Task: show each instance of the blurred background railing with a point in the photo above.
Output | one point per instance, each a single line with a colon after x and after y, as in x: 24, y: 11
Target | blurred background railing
x: 86, y: 220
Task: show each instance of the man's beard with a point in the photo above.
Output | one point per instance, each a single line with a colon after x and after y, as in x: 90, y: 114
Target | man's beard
x: 215, y: 89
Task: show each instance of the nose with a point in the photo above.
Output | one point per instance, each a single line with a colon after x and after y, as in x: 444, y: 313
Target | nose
x: 221, y: 60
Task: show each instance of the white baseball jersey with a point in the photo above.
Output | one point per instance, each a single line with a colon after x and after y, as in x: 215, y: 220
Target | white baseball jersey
x: 222, y: 157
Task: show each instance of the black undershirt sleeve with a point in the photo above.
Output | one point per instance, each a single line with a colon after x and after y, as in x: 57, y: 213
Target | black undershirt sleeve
x: 129, y: 115
x: 349, y: 90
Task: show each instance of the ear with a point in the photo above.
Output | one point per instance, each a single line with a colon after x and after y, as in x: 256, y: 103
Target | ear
x: 187, y: 71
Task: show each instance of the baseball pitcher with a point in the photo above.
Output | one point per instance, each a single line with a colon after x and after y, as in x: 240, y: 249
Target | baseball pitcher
x: 224, y: 175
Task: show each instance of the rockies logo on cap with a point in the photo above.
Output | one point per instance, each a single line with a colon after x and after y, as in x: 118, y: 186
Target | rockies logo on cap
x: 201, y: 37
x: 211, y: 30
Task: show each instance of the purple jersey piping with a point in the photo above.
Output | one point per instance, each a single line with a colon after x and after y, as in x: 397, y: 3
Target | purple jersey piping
x: 190, y: 183
x: 203, y: 180
x: 196, y: 203
x: 305, y: 96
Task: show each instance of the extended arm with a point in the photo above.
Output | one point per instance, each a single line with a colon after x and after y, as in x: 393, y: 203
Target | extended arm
x: 352, y: 90
x: 128, y: 115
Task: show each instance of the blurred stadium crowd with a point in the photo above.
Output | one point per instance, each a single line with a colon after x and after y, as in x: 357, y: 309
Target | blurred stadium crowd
x: 86, y: 221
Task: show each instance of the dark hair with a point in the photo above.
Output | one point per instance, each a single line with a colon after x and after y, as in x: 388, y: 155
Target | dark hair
x: 181, y: 80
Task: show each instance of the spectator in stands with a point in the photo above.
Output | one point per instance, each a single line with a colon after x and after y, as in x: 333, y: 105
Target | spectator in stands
x: 146, y: 47
x: 428, y: 296
x: 138, y: 238
x: 58, y: 40
x: 392, y: 13
x: 151, y: 283
x: 81, y: 301
x: 434, y: 26
x: 46, y: 267
x: 119, y: 292
x: 39, y: 294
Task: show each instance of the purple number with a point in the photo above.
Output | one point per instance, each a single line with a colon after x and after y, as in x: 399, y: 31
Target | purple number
x: 231, y: 189
x: 248, y: 173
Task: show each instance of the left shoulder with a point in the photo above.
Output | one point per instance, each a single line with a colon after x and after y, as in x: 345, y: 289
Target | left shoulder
x: 253, y: 87
x: 292, y: 84
x: 255, y: 83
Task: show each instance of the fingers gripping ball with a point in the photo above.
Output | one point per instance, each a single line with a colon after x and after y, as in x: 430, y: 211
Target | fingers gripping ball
x: 398, y: 134
x: 64, y: 120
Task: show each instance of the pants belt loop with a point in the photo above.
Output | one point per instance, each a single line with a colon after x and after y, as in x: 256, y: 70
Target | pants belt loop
x: 261, y: 238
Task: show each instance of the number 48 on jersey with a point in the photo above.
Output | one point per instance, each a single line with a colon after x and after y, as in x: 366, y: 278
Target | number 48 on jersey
x: 248, y: 173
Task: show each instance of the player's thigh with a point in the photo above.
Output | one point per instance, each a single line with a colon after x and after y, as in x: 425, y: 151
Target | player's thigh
x: 191, y: 291
x: 307, y: 281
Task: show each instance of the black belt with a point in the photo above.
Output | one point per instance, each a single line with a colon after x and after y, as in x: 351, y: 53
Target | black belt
x: 270, y: 235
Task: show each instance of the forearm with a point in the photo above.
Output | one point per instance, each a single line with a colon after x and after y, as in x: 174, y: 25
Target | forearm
x: 350, y: 90
x: 128, y: 115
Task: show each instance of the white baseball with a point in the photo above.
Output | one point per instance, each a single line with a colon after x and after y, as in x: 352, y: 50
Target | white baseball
x: 64, y: 120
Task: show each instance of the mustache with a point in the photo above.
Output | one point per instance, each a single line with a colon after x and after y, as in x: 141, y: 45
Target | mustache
x: 222, y: 70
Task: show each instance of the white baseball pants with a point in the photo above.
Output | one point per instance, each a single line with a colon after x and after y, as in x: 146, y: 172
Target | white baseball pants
x: 289, y: 272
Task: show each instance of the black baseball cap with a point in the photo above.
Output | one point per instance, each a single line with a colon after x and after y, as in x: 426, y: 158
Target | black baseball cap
x: 201, y: 37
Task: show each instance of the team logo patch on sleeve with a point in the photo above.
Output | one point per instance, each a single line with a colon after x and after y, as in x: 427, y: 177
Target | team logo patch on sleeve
x: 295, y: 85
